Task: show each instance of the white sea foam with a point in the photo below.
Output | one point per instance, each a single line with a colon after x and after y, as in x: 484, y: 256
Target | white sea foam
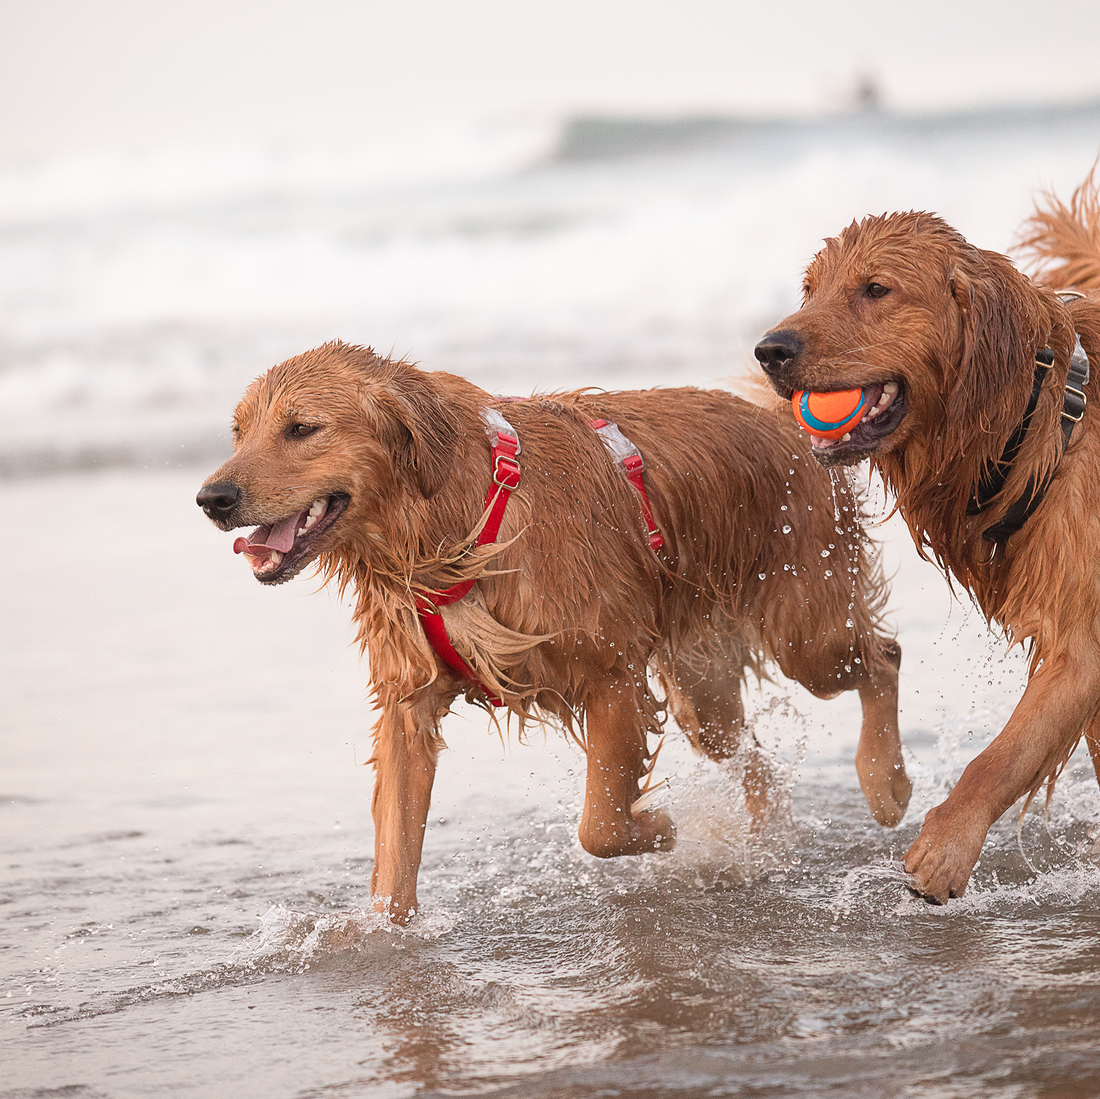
x: 151, y: 288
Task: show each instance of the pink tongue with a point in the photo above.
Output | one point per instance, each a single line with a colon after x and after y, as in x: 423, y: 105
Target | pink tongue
x: 278, y: 537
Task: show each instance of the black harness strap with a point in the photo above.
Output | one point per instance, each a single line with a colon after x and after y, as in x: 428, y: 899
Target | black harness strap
x: 995, y: 475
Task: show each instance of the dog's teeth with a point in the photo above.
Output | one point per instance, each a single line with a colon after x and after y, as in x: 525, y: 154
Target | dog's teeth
x: 873, y: 413
x: 318, y: 508
x: 890, y: 388
x: 846, y: 438
x: 275, y: 559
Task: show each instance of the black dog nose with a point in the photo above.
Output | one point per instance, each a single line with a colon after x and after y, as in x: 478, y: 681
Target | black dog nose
x: 778, y: 350
x: 218, y: 500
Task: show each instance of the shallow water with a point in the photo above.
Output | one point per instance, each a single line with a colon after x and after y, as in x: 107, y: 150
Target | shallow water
x: 187, y: 847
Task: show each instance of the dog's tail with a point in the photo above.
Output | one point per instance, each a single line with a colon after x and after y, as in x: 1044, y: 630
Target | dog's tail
x: 1063, y: 242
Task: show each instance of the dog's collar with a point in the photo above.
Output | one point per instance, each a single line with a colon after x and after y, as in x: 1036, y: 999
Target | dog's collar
x: 1073, y: 408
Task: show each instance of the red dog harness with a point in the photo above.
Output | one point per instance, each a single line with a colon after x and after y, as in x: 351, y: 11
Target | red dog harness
x: 504, y: 443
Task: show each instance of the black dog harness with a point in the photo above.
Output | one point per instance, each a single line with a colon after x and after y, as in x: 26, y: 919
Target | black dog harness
x: 996, y: 473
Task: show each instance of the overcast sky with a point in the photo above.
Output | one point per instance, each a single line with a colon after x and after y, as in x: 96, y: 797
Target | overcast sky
x: 101, y: 74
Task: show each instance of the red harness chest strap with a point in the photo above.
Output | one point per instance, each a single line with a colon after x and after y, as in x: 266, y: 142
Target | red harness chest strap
x: 504, y: 443
x: 630, y: 461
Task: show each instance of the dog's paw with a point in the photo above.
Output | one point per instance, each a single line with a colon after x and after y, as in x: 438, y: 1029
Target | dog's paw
x: 943, y: 856
x: 889, y: 798
x: 656, y: 828
x: 885, y: 784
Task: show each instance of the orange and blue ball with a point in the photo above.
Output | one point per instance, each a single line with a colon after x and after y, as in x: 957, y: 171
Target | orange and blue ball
x: 829, y: 415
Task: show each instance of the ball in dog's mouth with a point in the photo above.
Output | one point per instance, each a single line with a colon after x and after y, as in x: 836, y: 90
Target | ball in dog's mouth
x: 832, y: 416
x: 274, y: 549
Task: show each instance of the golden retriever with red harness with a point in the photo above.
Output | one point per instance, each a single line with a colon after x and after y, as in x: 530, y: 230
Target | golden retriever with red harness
x: 975, y: 379
x: 533, y: 555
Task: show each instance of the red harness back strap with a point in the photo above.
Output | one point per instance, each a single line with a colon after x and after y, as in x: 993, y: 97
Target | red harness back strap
x: 630, y: 461
x: 504, y: 443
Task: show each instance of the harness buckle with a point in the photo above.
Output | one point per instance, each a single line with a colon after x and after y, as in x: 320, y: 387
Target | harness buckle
x: 506, y: 472
x: 1066, y: 415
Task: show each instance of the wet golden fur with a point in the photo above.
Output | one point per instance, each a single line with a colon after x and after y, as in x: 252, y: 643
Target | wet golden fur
x: 959, y: 328
x: 571, y: 608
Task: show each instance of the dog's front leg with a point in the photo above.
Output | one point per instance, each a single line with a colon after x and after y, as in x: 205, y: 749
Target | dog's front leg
x: 406, y: 747
x: 615, y: 735
x: 1061, y: 698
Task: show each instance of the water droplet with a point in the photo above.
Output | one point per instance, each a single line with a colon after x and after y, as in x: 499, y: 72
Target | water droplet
x: 850, y: 625
x: 824, y: 553
x: 763, y: 576
x: 786, y: 528
x: 828, y: 573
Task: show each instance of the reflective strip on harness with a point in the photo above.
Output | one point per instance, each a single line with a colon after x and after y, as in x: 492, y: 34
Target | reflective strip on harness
x: 504, y: 443
x: 630, y: 461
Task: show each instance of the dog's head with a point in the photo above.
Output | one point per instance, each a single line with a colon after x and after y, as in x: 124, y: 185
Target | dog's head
x: 325, y: 447
x: 933, y: 330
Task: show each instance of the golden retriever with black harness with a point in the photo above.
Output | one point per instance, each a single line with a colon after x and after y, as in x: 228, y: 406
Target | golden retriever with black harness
x: 976, y: 380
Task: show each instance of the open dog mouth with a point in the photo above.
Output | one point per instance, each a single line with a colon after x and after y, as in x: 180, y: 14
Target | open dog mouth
x: 277, y: 551
x: 886, y: 408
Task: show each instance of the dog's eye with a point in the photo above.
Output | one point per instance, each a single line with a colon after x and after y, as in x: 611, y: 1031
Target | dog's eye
x: 876, y: 290
x: 300, y: 431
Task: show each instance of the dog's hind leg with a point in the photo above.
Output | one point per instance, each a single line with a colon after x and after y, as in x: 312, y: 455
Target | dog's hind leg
x: 406, y: 746
x: 705, y: 700
x: 615, y: 739
x: 835, y: 660
x: 1092, y: 739
x: 879, y: 762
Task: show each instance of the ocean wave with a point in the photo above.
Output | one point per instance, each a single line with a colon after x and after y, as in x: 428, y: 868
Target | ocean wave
x: 140, y: 292
x: 82, y: 185
x: 594, y: 137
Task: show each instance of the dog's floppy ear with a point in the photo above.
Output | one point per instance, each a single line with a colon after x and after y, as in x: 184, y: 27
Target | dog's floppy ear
x: 431, y: 424
x: 1000, y: 335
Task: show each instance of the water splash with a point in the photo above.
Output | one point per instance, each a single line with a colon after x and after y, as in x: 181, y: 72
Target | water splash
x: 855, y: 884
x: 289, y: 940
